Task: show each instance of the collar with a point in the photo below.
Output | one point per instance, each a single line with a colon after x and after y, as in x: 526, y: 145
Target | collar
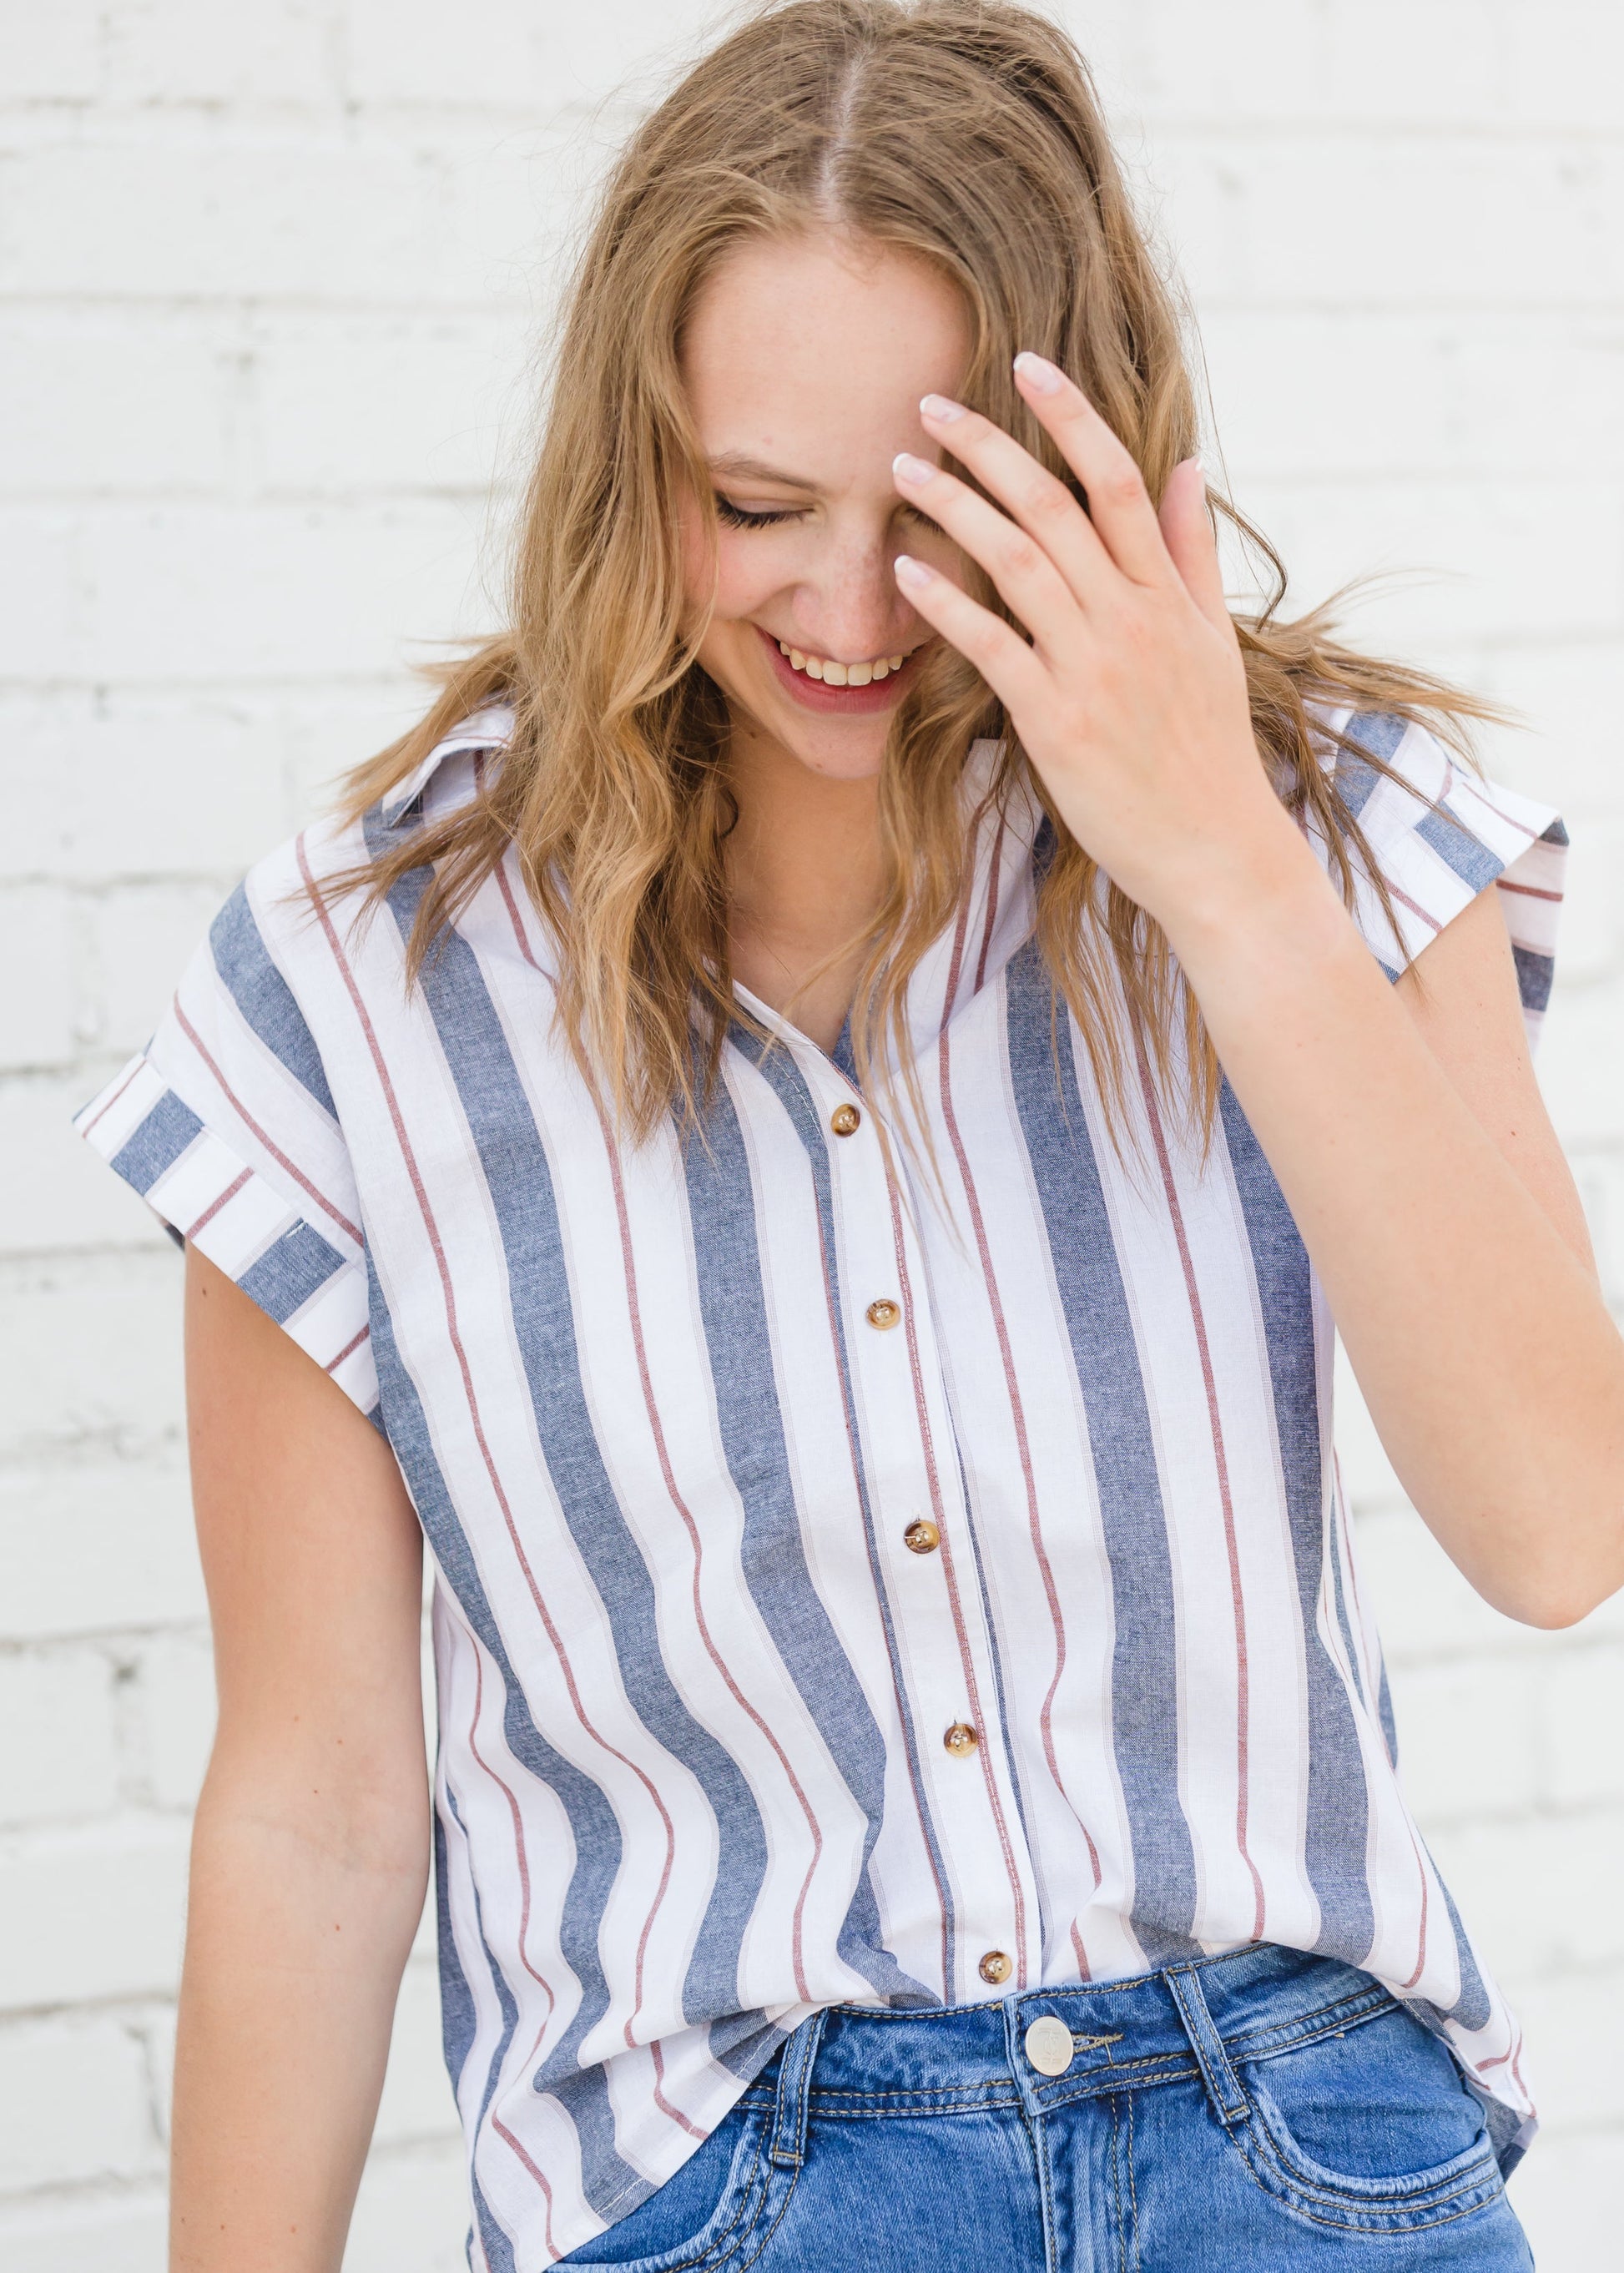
x: 485, y: 730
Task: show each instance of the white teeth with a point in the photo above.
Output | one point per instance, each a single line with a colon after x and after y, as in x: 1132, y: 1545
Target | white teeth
x: 840, y: 674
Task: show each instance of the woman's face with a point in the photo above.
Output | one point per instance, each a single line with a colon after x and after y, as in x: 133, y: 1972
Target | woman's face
x: 804, y: 361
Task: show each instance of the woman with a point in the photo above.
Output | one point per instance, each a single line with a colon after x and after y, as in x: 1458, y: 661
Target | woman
x: 807, y: 1128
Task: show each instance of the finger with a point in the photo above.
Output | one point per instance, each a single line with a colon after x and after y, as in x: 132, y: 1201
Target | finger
x: 1029, y: 582
x: 1002, y: 656
x: 1119, y: 504
x: 1041, y: 503
x: 1187, y: 530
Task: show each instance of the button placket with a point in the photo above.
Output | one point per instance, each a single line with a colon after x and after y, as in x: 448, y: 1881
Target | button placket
x: 906, y: 1426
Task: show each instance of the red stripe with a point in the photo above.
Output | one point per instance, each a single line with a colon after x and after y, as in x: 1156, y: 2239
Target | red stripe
x: 522, y: 937
x: 1017, y: 1410
x: 1525, y: 891
x: 1510, y: 820
x: 503, y: 2132
x: 656, y: 1427
x: 1414, y: 906
x: 454, y: 1334
x: 966, y: 1658
x: 660, y: 2100
x: 351, y: 1347
x: 138, y: 1067
x: 668, y: 1475
x: 1221, y: 1462
x: 215, y: 1206
x: 274, y: 1149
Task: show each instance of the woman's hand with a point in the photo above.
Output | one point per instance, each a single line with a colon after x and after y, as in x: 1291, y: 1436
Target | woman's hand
x: 1131, y: 699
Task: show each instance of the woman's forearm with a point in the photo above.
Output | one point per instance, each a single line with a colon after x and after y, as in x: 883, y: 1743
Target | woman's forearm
x: 295, y: 1938
x: 1492, y: 1370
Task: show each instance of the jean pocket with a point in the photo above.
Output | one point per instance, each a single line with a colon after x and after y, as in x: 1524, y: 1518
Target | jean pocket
x: 1373, y: 2131
x: 701, y: 2214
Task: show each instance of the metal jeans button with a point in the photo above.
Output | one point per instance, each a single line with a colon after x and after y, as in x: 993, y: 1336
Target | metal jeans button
x: 1048, y: 2045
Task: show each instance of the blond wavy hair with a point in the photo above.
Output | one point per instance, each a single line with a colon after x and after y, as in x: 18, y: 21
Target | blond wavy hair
x: 967, y: 134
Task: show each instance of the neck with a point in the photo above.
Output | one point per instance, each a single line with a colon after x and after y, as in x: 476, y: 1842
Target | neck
x: 804, y: 877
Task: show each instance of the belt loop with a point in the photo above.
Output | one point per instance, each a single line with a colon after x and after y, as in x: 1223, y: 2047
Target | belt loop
x: 795, y: 2090
x: 1224, y: 2087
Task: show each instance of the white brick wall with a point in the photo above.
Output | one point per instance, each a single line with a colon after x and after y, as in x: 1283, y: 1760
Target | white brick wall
x: 272, y: 274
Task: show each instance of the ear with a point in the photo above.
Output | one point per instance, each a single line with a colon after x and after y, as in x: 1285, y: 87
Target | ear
x: 1187, y: 532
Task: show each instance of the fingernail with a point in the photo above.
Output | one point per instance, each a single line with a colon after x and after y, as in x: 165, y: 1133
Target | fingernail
x: 1041, y: 375
x: 940, y: 408
x: 911, y: 574
x: 907, y: 468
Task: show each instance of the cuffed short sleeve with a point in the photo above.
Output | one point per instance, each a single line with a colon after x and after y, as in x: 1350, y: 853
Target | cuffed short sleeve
x: 225, y: 1125
x: 1439, y: 834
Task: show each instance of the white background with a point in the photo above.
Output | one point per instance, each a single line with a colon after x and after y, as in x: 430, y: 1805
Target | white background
x: 275, y: 276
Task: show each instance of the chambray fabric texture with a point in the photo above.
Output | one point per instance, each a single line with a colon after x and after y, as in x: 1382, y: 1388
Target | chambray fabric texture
x: 670, y: 1414
x: 1267, y: 2110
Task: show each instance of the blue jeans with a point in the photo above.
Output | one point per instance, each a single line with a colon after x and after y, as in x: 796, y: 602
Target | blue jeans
x: 1260, y: 2110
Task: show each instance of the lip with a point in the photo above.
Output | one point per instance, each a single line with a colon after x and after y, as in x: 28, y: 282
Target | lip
x: 835, y: 701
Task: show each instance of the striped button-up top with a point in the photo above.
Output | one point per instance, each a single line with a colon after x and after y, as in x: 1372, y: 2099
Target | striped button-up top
x: 856, y: 1581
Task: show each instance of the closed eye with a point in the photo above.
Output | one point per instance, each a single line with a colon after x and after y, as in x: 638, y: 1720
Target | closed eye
x: 736, y: 516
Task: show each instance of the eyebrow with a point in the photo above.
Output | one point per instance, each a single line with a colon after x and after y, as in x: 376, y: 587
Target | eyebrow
x: 734, y: 462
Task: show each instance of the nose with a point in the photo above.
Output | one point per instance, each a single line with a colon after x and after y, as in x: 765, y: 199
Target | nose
x: 850, y: 607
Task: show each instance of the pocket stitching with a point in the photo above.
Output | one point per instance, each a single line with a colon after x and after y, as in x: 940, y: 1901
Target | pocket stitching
x: 1258, y: 2144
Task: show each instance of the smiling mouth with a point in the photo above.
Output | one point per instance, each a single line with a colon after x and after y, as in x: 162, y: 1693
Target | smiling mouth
x: 840, y: 674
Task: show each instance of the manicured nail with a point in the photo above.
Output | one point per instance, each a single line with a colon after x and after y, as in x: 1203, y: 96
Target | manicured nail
x: 940, y: 408
x: 1040, y: 375
x: 913, y: 575
x: 909, y: 468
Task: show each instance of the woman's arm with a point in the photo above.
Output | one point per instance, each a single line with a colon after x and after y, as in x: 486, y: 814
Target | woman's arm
x: 1412, y: 1149
x: 308, y: 1858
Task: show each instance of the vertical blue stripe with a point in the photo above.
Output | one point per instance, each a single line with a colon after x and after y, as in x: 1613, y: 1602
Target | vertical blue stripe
x: 265, y: 998
x: 592, y: 1823
x: 493, y: 2235
x: 1379, y: 734
x: 519, y: 1181
x: 1338, y: 1804
x: 733, y: 1310
x: 1093, y: 1302
x: 779, y: 1068
x: 156, y: 1143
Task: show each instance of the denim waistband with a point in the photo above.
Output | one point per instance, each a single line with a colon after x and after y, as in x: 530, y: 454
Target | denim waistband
x: 1191, y: 2019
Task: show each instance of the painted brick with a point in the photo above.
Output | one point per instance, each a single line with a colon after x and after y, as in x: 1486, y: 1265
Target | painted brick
x: 1583, y: 1718
x: 36, y: 936
x: 90, y: 1352
x: 416, y: 2101
x: 275, y: 272
x: 274, y: 52
x: 97, y: 1550
x: 106, y: 785
x: 122, y: 2230
x: 60, y: 1756
x: 92, y: 1913
x: 1554, y: 1912
x: 195, y: 206
x: 93, y: 402
x: 143, y: 936
x: 172, y: 1706
x: 51, y: 2131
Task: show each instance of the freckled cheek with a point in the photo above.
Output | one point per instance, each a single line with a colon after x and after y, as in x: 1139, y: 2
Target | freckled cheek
x: 747, y: 575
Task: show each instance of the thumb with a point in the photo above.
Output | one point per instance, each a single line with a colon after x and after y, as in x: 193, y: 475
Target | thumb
x: 1187, y: 532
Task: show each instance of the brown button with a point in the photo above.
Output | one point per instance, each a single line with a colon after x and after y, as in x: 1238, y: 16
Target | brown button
x: 883, y: 1314
x: 996, y: 1968
x: 846, y: 1120
x: 922, y: 1536
x: 962, y: 1740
